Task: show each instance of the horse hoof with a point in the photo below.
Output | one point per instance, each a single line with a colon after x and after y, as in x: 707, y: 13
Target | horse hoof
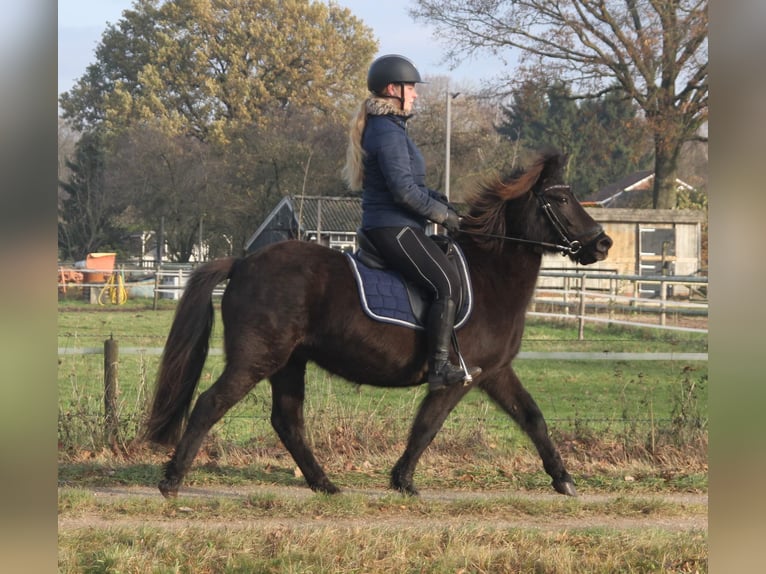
x: 565, y: 487
x: 325, y: 487
x: 167, y: 490
x: 406, y: 489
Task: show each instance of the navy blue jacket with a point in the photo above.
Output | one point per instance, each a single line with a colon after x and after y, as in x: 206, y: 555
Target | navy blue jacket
x: 395, y: 194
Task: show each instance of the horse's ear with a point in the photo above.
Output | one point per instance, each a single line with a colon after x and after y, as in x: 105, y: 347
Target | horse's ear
x: 547, y: 163
x: 553, y: 163
x: 539, y: 168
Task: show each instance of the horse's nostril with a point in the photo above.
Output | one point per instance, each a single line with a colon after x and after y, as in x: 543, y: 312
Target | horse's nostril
x: 605, y: 243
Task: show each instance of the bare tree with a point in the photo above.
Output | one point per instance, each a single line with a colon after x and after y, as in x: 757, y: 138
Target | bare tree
x: 477, y: 150
x: 654, y: 50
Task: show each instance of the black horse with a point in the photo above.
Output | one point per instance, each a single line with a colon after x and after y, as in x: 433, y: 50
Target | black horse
x: 295, y: 301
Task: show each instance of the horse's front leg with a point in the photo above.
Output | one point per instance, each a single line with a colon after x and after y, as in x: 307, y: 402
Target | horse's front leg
x: 507, y: 391
x: 431, y: 415
x: 288, y: 390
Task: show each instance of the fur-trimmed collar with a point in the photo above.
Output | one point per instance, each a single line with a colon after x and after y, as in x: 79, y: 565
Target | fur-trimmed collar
x: 384, y: 106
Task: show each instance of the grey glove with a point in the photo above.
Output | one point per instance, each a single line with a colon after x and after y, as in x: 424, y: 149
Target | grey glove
x: 452, y: 222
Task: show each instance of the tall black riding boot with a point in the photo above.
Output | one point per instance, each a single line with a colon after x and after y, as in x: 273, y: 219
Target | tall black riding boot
x: 441, y: 321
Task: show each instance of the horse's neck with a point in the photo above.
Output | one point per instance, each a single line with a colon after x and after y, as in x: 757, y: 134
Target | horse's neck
x: 523, y: 268
x: 514, y: 271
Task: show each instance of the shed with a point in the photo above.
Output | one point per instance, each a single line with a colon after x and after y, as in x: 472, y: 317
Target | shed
x: 330, y: 220
x: 646, y: 242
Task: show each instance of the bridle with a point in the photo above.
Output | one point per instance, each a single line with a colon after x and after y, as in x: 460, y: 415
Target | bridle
x: 566, y: 247
x: 569, y: 247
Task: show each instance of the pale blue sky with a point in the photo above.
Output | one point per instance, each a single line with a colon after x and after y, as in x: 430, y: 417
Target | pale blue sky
x: 81, y: 23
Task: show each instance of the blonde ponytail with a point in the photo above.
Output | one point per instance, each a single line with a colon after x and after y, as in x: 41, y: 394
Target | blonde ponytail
x: 353, y: 171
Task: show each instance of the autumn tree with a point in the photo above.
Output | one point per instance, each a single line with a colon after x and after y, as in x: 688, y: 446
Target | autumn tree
x: 231, y: 75
x: 201, y: 66
x: 291, y: 155
x: 67, y: 140
x: 166, y: 181
x: 655, y: 51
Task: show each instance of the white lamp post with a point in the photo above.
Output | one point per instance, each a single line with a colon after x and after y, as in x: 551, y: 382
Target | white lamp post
x: 448, y: 138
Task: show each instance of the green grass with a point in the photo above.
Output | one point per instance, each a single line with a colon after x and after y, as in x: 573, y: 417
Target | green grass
x: 626, y: 429
x: 88, y: 326
x: 612, y: 412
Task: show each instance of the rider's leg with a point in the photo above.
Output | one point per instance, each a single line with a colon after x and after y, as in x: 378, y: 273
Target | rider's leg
x: 441, y: 372
x: 417, y: 257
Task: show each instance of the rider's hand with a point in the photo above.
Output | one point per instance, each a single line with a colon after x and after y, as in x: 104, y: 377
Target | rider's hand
x: 452, y: 222
x: 442, y: 198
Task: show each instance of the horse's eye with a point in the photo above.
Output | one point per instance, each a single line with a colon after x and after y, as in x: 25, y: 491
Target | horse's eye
x: 563, y: 199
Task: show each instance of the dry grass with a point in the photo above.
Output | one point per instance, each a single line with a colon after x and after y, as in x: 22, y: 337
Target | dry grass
x: 326, y: 548
x: 300, y: 532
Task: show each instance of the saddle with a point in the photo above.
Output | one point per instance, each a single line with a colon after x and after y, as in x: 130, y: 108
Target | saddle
x: 388, y: 297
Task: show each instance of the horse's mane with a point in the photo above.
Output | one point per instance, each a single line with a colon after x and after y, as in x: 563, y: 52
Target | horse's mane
x: 487, y: 204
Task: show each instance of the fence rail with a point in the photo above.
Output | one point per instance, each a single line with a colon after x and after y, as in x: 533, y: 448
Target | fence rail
x: 611, y: 298
x: 534, y: 355
x: 677, y: 302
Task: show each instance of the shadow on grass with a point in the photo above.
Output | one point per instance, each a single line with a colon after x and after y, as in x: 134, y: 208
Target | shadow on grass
x: 89, y: 474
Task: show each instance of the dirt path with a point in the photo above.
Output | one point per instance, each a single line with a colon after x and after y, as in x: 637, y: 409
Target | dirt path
x: 693, y: 520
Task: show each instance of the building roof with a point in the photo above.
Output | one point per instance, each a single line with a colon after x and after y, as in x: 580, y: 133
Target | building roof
x: 614, y: 194
x: 327, y: 214
x: 302, y: 215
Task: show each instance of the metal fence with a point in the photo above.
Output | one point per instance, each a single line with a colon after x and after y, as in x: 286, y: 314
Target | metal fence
x: 678, y: 302
x: 673, y: 302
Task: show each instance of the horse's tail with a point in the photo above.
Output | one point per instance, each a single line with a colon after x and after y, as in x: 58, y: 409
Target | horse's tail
x: 185, y: 352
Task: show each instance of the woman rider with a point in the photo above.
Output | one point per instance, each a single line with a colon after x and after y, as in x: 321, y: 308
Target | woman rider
x: 384, y: 163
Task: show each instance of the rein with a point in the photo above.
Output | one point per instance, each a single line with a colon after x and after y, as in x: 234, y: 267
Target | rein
x: 571, y: 247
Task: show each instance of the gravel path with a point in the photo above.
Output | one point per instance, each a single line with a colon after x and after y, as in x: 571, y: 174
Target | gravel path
x: 185, y: 517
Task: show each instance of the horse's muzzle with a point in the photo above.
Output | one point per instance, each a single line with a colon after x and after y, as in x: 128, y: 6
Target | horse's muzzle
x: 595, y: 250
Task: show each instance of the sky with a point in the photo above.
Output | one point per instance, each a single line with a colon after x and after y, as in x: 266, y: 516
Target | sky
x: 82, y: 22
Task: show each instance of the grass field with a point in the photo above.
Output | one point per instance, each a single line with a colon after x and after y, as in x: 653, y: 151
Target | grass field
x: 631, y: 409
x: 276, y: 532
x: 633, y: 434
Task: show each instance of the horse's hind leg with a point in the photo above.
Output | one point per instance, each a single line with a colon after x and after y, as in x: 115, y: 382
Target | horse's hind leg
x: 288, y: 391
x: 211, y: 405
x: 508, y: 392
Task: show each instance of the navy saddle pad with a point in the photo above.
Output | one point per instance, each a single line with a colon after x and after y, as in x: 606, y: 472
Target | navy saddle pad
x: 386, y: 296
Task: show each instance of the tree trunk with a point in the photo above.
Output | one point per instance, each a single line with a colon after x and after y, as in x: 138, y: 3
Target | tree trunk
x: 665, y: 169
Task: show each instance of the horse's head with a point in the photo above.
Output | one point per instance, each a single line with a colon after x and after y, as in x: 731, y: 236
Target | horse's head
x: 536, y: 207
x: 568, y: 224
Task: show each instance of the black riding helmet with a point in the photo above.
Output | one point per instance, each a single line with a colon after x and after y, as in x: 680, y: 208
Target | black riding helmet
x: 391, y: 69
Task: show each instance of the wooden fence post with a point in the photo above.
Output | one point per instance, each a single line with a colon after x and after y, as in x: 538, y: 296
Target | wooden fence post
x: 156, y: 287
x: 111, y: 390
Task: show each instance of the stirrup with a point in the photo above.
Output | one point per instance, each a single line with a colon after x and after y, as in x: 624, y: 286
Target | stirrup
x: 450, y: 375
x: 470, y: 372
